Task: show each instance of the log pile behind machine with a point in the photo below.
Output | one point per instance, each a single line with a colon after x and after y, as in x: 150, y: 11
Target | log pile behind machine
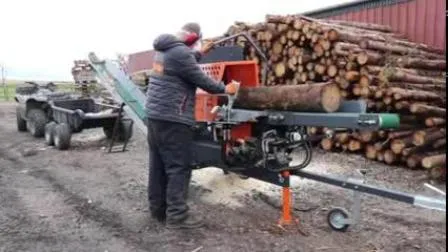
x: 368, y: 62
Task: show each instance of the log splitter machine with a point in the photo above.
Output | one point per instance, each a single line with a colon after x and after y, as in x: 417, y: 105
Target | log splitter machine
x: 260, y: 144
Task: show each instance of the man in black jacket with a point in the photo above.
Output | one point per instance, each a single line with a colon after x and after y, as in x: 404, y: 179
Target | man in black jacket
x: 170, y: 110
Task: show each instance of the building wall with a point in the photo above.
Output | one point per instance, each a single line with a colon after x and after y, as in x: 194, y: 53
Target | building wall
x: 140, y: 61
x: 422, y: 21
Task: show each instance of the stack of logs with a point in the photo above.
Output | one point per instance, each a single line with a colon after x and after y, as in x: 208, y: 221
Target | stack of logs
x: 369, y: 62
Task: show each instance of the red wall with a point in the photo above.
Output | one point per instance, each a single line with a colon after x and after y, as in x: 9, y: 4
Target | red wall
x: 419, y: 20
x: 140, y: 61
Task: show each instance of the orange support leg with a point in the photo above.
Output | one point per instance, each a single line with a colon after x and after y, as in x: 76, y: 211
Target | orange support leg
x: 286, y: 200
x: 287, y: 219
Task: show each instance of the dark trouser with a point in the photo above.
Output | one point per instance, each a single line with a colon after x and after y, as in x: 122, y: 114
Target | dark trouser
x: 169, y: 171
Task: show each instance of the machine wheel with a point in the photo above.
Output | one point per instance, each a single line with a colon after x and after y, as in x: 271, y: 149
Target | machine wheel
x: 62, y: 135
x: 36, y: 122
x: 49, y: 133
x: 337, y: 219
x: 21, y: 123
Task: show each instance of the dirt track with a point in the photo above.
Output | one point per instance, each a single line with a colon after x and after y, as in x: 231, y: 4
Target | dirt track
x: 87, y: 200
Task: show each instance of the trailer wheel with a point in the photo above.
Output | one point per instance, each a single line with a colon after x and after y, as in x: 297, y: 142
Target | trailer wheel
x: 36, y: 122
x: 62, y: 135
x: 49, y: 133
x: 21, y: 123
x: 337, y: 219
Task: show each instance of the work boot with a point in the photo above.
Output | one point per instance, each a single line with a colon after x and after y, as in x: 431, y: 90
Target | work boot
x: 190, y: 222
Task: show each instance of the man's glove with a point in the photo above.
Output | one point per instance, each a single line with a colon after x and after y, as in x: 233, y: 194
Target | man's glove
x: 232, y: 87
x: 207, y: 47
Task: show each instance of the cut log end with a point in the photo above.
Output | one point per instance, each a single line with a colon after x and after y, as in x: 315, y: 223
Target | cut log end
x: 331, y: 98
x: 434, y: 161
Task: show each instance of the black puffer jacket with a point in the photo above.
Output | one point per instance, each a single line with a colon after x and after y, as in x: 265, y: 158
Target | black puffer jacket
x: 173, y: 82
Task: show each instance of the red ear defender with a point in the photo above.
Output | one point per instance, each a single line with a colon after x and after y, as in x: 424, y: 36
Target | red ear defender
x: 191, y: 38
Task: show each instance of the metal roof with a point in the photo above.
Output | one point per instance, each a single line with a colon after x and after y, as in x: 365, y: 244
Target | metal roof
x: 348, y: 7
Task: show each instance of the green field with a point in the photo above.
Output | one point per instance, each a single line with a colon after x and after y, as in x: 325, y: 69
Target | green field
x: 7, y: 92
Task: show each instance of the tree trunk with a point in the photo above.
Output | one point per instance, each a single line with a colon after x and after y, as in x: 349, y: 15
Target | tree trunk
x: 435, y: 121
x: 427, y: 110
x: 418, y: 86
x: 405, y: 94
x: 397, y: 49
x: 407, y: 62
x: 365, y: 26
x: 322, y: 97
x: 402, y: 76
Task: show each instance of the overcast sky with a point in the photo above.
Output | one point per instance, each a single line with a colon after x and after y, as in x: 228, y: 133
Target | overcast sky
x: 39, y: 39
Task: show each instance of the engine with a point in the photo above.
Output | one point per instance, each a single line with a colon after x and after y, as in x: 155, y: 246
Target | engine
x: 273, y: 150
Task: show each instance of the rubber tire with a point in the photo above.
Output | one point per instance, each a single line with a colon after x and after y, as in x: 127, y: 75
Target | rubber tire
x: 338, y: 211
x: 36, y: 122
x: 49, y: 133
x: 21, y: 123
x: 62, y: 136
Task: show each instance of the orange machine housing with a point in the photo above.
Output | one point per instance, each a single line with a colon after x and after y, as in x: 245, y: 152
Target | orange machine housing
x: 245, y: 72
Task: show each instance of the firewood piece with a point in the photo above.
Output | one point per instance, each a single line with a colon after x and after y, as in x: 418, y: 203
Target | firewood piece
x: 414, y: 161
x: 427, y: 110
x: 320, y: 69
x: 321, y: 97
x: 327, y: 144
x: 423, y: 137
x: 434, y: 161
x: 332, y: 70
x: 439, y: 143
x: 435, y: 121
x: 342, y: 138
x: 368, y: 136
x: 398, y: 145
x: 390, y: 157
x: 371, y: 152
x: 319, y: 50
x: 352, y: 76
x: 380, y: 156
x: 280, y: 69
x: 438, y: 173
x: 354, y: 145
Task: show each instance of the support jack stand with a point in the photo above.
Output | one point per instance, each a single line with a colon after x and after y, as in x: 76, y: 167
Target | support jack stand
x: 119, y: 123
x: 287, y: 221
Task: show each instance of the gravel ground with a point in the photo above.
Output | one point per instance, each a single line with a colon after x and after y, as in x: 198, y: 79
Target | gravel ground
x: 87, y: 200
